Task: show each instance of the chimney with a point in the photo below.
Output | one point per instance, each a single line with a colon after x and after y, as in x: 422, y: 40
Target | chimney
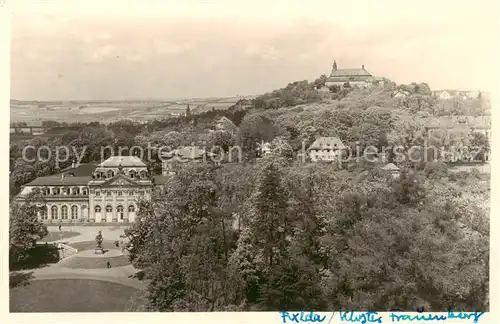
x: 363, y: 66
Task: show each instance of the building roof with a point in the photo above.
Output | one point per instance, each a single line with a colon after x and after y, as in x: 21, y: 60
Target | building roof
x: 58, y: 180
x: 124, y: 161
x: 325, y: 143
x: 350, y: 73
x: 390, y: 167
x: 82, y: 170
x: 159, y: 180
x: 225, y: 124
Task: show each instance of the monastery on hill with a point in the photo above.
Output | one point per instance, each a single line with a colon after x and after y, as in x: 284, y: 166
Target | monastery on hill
x: 355, y: 77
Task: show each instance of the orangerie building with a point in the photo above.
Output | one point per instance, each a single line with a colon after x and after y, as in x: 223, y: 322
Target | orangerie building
x: 97, y: 193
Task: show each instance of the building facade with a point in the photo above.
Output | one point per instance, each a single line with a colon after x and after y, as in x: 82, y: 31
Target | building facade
x: 108, y: 193
x: 355, y: 77
x: 326, y: 149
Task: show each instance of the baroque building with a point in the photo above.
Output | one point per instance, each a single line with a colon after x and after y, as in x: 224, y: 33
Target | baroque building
x: 354, y: 77
x: 103, y: 193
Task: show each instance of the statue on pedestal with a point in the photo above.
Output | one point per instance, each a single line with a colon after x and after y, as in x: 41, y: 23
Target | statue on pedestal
x: 98, y: 248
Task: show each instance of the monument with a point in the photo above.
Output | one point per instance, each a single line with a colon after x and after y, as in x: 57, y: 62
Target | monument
x: 98, y: 248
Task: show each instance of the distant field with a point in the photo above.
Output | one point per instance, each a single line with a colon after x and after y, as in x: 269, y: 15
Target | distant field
x: 107, y: 112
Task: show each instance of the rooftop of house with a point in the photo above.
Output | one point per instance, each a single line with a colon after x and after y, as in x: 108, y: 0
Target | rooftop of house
x: 325, y: 143
x: 390, y: 167
x: 160, y: 179
x: 124, y: 161
x: 81, y: 170
x: 60, y: 180
x: 350, y: 73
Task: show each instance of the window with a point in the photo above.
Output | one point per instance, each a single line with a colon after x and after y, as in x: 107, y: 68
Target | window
x: 109, y: 209
x: 64, y: 212
x: 43, y: 212
x: 76, y: 191
x: 97, y: 193
x: 85, y: 191
x: 132, y: 174
x: 53, y: 212
x: 141, y: 193
x: 120, y: 193
x: 68, y: 191
x: 110, y: 174
x: 97, y: 209
x: 108, y: 193
x: 131, y: 208
x: 131, y: 193
x: 119, y: 209
x: 74, y: 212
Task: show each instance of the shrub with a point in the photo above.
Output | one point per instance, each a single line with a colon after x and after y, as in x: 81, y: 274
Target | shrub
x: 435, y: 170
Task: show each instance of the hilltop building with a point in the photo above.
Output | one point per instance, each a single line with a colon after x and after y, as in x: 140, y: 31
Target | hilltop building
x: 355, y: 77
x: 103, y: 193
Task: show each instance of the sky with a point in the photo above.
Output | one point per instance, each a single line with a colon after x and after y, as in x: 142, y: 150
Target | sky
x: 125, y: 49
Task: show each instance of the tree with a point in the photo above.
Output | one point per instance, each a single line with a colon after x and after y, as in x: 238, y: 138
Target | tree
x: 25, y: 229
x: 254, y: 129
x: 347, y: 85
x: 188, y: 111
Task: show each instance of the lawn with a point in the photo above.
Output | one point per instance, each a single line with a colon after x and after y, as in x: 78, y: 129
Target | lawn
x: 71, y: 295
x: 54, y: 236
x: 90, y: 245
x: 76, y: 262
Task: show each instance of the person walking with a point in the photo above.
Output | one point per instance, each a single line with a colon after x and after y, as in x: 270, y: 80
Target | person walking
x: 108, y: 265
x: 59, y: 227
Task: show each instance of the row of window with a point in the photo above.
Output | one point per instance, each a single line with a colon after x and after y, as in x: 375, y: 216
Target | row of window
x: 54, y: 211
x: 109, y: 208
x: 132, y: 174
x: 119, y: 193
x: 66, y: 191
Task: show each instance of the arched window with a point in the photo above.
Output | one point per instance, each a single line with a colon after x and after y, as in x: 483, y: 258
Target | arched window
x: 85, y: 191
x: 53, y: 212
x: 143, y: 174
x: 74, y: 212
x: 132, y: 174
x: 64, y: 212
x: 76, y: 191
x: 109, y: 209
x: 110, y: 174
x: 119, y: 209
x: 43, y: 212
x: 97, y: 209
x: 131, y: 208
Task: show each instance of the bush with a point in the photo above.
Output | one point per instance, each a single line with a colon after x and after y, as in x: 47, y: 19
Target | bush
x: 435, y: 170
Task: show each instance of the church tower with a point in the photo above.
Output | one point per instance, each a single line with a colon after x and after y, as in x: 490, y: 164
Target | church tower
x: 334, y: 67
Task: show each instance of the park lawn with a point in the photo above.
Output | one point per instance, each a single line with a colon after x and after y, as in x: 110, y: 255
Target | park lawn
x: 76, y: 262
x: 71, y: 295
x: 55, y: 236
x: 90, y: 245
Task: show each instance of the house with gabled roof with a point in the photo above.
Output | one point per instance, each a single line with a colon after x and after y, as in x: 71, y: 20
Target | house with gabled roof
x: 326, y: 149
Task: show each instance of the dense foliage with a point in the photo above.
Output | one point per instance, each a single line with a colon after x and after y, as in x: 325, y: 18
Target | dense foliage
x: 311, y: 238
